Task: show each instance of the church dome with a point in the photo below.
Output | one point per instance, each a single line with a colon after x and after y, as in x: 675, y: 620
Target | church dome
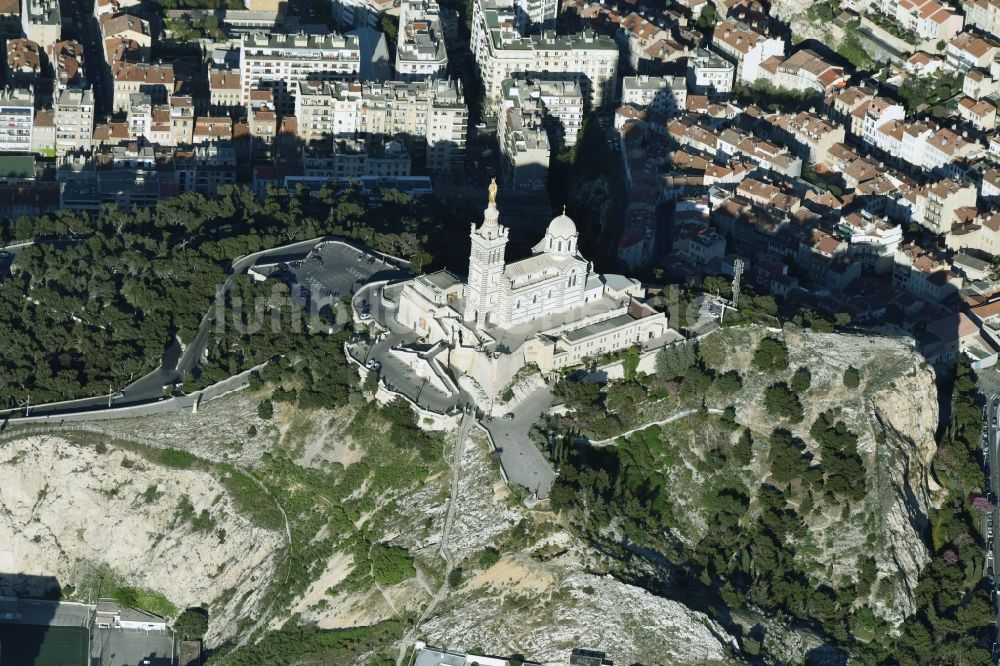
x: 562, y: 226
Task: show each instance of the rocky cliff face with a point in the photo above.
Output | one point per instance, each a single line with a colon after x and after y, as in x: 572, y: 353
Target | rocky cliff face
x: 895, y: 415
x: 64, y: 506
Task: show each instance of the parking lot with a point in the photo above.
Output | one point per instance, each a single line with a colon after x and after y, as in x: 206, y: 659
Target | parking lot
x: 131, y: 647
x: 333, y: 270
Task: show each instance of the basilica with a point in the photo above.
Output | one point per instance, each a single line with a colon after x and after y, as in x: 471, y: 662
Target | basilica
x: 550, y: 309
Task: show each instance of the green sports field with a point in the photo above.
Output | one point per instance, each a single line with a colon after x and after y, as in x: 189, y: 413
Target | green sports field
x: 28, y: 645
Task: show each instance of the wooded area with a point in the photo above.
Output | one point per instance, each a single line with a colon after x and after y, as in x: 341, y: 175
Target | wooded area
x: 98, y: 298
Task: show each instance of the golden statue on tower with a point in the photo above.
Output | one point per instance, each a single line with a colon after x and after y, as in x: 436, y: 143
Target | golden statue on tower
x: 493, y: 191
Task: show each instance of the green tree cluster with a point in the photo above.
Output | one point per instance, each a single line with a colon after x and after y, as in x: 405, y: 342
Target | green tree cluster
x: 780, y: 401
x: 674, y: 360
x: 771, y: 355
x: 391, y: 564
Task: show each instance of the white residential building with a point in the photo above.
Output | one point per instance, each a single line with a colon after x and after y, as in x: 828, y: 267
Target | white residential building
x: 524, y: 145
x: 327, y: 109
x: 41, y: 21
x: 745, y: 47
x: 420, y: 47
x: 558, y: 103
x: 929, y: 19
x: 709, y: 74
x: 501, y: 51
x: 659, y: 94
x: 280, y: 62
x: 140, y: 115
x: 73, y: 114
x: 983, y: 14
x: 431, y: 114
x: 17, y: 115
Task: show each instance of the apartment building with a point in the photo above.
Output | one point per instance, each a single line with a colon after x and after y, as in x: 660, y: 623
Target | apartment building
x: 709, y: 74
x: 967, y: 50
x: 181, y: 120
x: 205, y: 168
x: 746, y: 47
x: 803, y: 71
x: 73, y: 113
x: 67, y: 61
x: 24, y: 63
x: 934, y: 205
x: 281, y: 62
x: 558, y: 103
x: 524, y: 147
x: 17, y: 115
x: 872, y: 240
x: 140, y: 116
x: 117, y: 28
x: 43, y: 134
x: 225, y: 90
x: 644, y: 40
x: 983, y: 14
x: 928, y: 19
x: 808, y: 135
x: 739, y: 143
x: 262, y: 117
x: 501, y: 50
x: 212, y: 129
x: 431, y: 114
x: 157, y: 81
x: 41, y: 21
x: 979, y: 231
x: 925, y: 273
x: 420, y: 47
x: 659, y: 94
x: 326, y: 109
x: 354, y: 159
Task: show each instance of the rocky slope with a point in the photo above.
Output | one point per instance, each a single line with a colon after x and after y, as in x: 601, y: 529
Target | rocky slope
x: 894, y: 414
x: 64, y: 506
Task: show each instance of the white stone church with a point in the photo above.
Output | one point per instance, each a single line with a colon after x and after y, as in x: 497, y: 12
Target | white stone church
x: 550, y: 309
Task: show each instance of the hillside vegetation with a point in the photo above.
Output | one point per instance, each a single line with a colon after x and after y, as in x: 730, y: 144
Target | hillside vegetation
x: 813, y: 496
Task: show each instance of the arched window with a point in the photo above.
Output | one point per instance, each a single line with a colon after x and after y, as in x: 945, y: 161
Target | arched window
x: 534, y: 299
x: 560, y: 246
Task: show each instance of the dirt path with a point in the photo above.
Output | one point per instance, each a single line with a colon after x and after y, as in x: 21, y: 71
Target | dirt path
x: 670, y: 419
x: 456, y: 473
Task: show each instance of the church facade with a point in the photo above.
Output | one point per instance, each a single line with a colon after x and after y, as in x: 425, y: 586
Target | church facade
x: 549, y: 309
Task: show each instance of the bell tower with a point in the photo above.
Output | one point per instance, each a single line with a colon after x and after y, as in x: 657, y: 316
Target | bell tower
x: 486, y: 263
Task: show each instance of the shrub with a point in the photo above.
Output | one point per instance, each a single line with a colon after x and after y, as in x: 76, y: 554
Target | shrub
x: 191, y: 624
x: 455, y: 577
x: 801, y: 380
x: 175, y: 458
x: 852, y: 377
x: 727, y: 383
x: 488, y: 557
x: 265, y: 410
